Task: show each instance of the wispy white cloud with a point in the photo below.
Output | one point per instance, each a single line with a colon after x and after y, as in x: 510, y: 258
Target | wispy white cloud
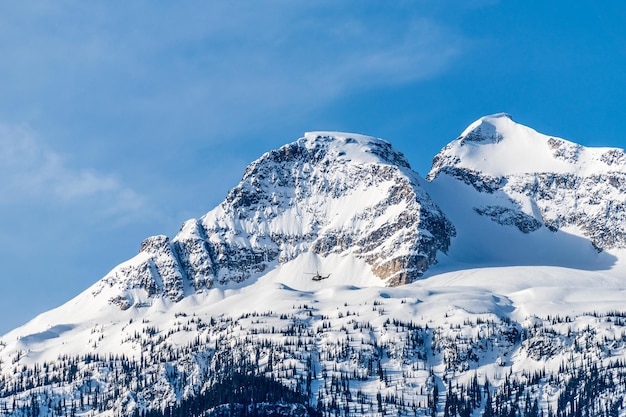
x: 307, y: 55
x: 163, y: 80
x: 32, y: 173
x: 215, y: 63
x: 141, y: 95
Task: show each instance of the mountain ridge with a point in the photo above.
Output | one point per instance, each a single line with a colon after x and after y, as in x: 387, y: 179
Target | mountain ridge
x: 460, y: 294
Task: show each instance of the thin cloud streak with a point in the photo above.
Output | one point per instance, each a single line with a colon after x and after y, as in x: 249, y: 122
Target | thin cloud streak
x: 34, y: 174
x: 143, y: 114
x: 323, y: 57
x: 217, y: 63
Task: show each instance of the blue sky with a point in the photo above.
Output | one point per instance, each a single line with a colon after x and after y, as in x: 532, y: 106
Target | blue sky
x: 120, y: 120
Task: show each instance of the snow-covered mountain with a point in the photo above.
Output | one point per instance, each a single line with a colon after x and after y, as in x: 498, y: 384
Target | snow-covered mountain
x: 327, y: 193
x: 334, y: 280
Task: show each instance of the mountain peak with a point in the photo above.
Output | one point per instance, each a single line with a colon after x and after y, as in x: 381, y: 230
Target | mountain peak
x: 487, y: 129
x: 332, y: 192
x: 328, y: 194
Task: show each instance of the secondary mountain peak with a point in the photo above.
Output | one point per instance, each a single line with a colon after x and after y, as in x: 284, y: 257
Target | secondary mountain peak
x: 498, y: 146
x: 528, y: 180
x: 487, y: 129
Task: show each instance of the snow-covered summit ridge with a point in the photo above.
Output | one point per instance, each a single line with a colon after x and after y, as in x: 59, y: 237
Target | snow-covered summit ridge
x: 530, y: 180
x: 327, y: 193
x: 498, y: 146
x: 486, y: 125
x: 354, y: 147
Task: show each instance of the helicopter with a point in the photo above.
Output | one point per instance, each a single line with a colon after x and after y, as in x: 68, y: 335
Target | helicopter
x: 317, y: 276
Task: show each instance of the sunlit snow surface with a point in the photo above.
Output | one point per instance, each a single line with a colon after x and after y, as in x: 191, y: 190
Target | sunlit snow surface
x: 448, y: 299
x: 519, y: 292
x: 506, y: 148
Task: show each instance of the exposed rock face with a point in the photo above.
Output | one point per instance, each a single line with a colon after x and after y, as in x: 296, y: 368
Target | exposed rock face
x: 571, y: 185
x: 594, y: 203
x: 156, y: 270
x: 342, y: 194
x: 195, y: 255
x: 338, y: 195
x: 507, y: 216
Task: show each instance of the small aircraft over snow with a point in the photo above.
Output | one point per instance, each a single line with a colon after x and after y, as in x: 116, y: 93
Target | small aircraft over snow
x: 317, y: 276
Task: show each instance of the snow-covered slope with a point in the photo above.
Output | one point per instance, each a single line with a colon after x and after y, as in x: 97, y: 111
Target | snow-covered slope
x: 481, y: 291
